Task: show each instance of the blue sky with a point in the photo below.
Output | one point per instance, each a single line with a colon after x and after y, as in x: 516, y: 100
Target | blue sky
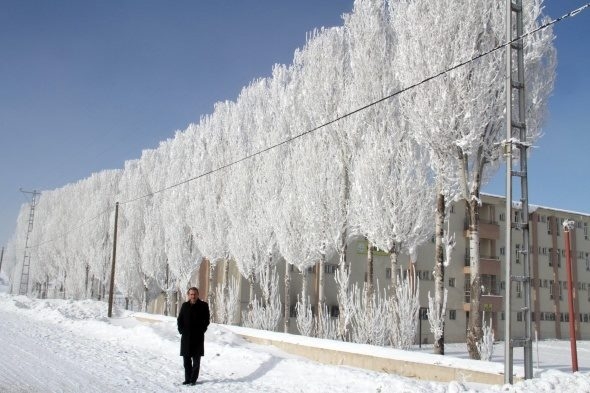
x: 85, y: 86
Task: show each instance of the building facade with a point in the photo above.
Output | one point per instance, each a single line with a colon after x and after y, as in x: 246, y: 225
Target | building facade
x: 547, y: 254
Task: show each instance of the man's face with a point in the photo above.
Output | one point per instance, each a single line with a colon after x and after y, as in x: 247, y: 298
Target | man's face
x: 192, y: 296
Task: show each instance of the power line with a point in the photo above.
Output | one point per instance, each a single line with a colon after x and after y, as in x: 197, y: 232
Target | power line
x: 410, y: 87
x: 73, y: 228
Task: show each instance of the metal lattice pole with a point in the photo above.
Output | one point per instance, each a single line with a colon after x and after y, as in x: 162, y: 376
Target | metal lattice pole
x: 24, y: 276
x: 516, y: 137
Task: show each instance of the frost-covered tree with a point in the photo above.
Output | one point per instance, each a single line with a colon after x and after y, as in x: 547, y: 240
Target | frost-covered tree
x: 392, y: 190
x: 460, y: 115
x: 404, y: 309
x: 486, y: 344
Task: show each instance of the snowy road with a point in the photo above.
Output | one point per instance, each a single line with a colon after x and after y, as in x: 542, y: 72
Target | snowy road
x: 39, y: 356
x: 71, y: 346
x: 61, y: 346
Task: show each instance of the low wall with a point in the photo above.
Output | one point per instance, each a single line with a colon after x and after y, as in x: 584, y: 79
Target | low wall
x: 410, y: 364
x: 406, y: 363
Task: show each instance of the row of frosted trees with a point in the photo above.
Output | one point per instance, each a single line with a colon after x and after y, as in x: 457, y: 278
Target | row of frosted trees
x: 386, y: 172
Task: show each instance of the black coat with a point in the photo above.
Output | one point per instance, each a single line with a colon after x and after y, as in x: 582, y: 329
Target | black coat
x: 192, y: 321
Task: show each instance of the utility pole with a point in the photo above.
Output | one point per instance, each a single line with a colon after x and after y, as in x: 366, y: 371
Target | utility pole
x: 112, y: 284
x: 1, y: 258
x: 24, y: 277
x: 515, y: 93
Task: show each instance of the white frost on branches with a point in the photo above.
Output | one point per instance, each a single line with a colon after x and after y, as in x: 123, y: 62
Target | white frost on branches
x: 405, y: 307
x: 227, y: 302
x: 371, y: 323
x: 265, y: 313
x: 304, y: 320
x: 486, y: 344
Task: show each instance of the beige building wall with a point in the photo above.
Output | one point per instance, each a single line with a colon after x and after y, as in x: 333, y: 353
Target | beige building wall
x: 548, y: 272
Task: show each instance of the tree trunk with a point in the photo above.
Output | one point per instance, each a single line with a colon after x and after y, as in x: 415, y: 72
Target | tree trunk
x: 342, y: 328
x: 86, y: 281
x: 225, y: 283
x: 178, y: 301
x: 287, y: 310
x: 145, y: 298
x: 211, y: 288
x: 251, y: 293
x: 268, y: 282
x: 321, y: 289
x: 439, y: 269
x: 166, y: 292
x: 304, y: 288
x: 369, y: 280
x: 344, y: 198
x: 474, y: 332
x: 393, y: 254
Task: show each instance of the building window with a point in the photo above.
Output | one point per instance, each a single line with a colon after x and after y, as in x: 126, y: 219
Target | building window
x: 452, y: 209
x: 502, y: 251
x: 330, y: 268
x: 516, y: 217
x: 425, y: 275
x: 586, y: 230
x: 453, y: 315
x: 388, y: 272
x: 502, y: 216
x: 519, y: 316
x: 452, y: 282
x: 334, y: 311
x: 564, y: 317
x: 517, y: 253
x: 423, y: 313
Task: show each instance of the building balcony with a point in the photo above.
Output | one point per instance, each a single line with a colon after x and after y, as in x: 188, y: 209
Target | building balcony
x: 488, y: 302
x: 488, y: 264
x: 488, y: 229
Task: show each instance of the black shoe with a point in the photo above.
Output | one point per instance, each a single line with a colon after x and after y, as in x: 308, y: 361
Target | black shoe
x: 193, y: 383
x: 186, y: 382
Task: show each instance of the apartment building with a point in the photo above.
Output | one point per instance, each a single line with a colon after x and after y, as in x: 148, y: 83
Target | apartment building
x: 548, y: 272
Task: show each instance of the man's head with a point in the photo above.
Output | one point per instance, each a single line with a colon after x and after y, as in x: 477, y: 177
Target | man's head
x: 193, y: 294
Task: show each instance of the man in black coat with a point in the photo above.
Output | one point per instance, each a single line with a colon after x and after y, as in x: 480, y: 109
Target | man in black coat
x: 192, y: 321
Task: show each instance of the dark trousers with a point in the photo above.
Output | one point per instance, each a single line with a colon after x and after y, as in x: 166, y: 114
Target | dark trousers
x: 192, y: 364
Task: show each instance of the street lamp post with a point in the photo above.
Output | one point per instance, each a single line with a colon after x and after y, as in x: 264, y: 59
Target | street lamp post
x: 567, y: 226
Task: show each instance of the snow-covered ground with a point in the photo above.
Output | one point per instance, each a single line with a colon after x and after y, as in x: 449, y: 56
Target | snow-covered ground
x: 71, y: 346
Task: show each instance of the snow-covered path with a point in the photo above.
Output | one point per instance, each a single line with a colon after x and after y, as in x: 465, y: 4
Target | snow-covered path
x: 71, y: 346
x: 64, y: 346
x: 40, y: 356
